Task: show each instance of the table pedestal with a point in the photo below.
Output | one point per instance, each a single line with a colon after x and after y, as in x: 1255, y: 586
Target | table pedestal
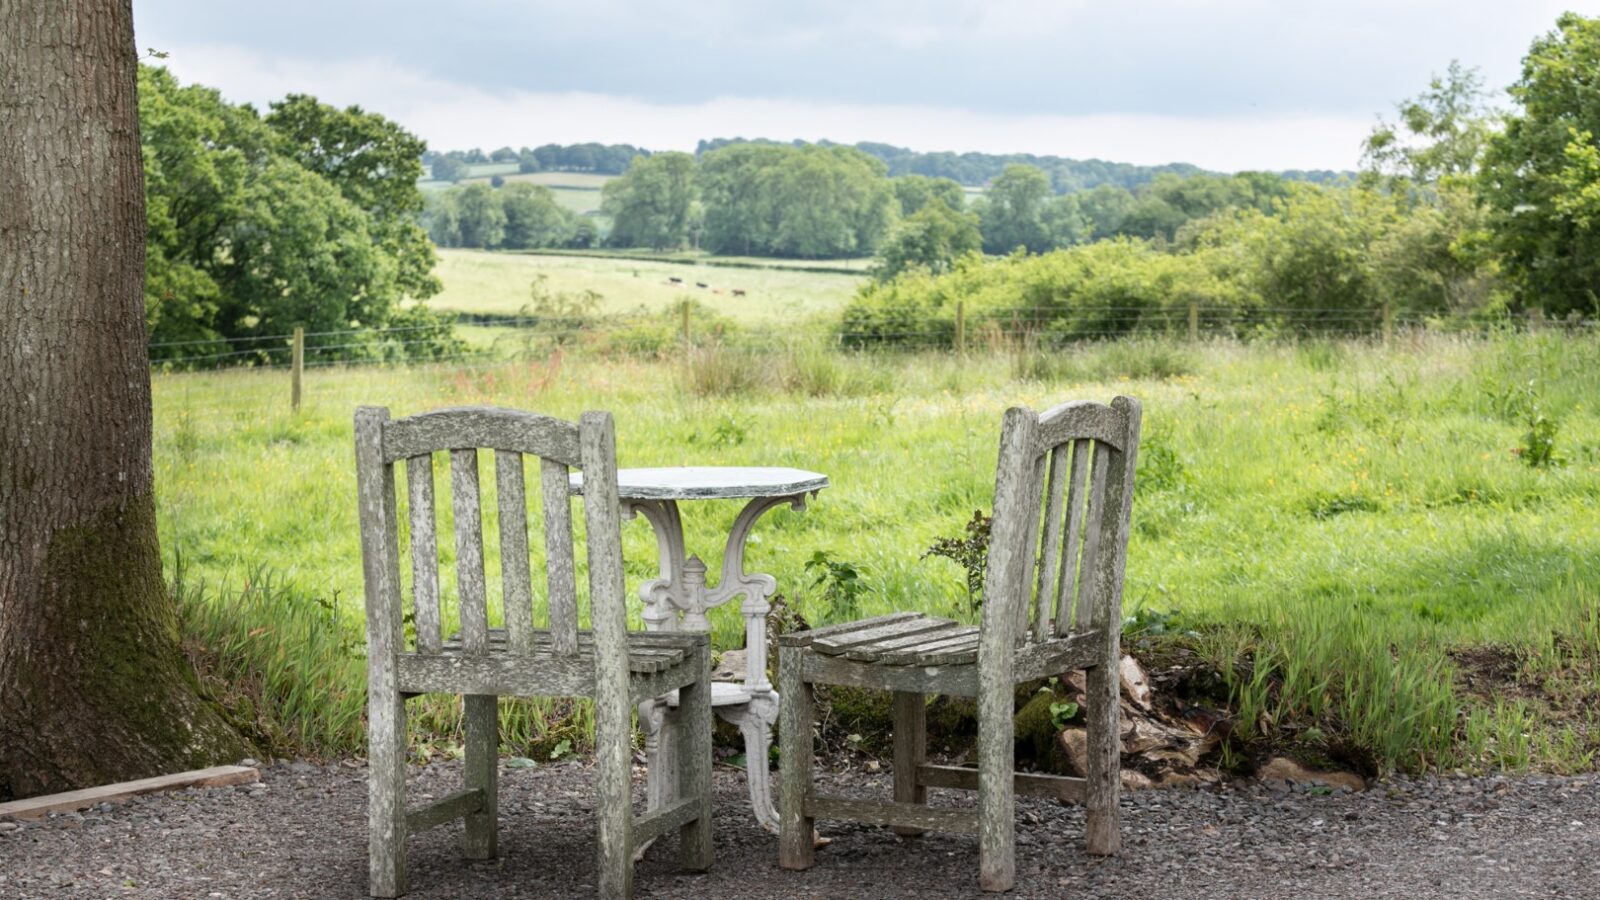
x: 678, y: 601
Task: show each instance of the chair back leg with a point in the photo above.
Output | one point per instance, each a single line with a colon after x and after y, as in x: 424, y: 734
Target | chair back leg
x: 613, y: 760
x: 481, y: 772
x: 796, y: 849
x: 1103, y: 832
x: 997, y: 826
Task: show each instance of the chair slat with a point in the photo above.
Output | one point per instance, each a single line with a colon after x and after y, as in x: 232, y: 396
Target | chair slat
x: 424, y: 552
x: 561, y: 575
x: 1031, y: 500
x: 464, y: 501
x: 1073, y: 539
x: 516, y: 587
x: 1050, y: 551
x: 1087, y: 583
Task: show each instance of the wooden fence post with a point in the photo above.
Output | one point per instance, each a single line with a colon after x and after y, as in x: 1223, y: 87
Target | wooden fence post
x: 685, y: 325
x: 1194, y: 322
x: 1388, y: 321
x: 297, y: 367
x: 961, y: 327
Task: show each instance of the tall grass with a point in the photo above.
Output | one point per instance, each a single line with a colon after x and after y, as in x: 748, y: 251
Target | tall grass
x: 1337, y: 519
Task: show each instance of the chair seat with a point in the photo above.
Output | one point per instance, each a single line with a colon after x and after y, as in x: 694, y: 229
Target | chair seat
x: 901, y: 639
x: 648, y: 652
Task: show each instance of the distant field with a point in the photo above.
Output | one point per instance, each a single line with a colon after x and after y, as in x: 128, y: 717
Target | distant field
x: 577, y: 192
x: 485, y: 282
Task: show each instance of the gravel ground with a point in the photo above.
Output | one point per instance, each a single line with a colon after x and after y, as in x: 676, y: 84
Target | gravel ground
x: 300, y: 834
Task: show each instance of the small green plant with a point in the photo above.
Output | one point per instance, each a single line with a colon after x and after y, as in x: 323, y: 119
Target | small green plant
x: 839, y: 581
x: 970, y: 551
x: 730, y: 431
x: 1159, y: 468
x: 1538, y: 448
x: 562, y: 748
x: 1323, y: 506
x: 1063, y: 712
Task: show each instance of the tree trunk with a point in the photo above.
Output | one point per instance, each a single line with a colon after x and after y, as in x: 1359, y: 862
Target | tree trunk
x: 93, y: 686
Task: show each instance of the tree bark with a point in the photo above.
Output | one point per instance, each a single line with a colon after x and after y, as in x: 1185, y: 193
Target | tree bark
x: 93, y: 685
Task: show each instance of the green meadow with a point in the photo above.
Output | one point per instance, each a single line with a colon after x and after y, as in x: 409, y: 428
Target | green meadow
x: 1342, y: 530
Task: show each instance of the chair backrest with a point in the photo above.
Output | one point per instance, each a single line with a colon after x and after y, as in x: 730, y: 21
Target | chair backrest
x: 511, y: 435
x: 1062, y: 502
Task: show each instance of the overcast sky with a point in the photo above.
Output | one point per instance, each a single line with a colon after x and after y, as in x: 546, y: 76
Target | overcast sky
x: 1225, y: 84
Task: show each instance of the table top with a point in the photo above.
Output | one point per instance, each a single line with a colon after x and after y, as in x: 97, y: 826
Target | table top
x: 711, y: 482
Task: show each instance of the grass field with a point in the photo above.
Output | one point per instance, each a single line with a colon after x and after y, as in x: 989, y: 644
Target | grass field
x: 1347, y: 529
x: 484, y: 282
x: 578, y: 192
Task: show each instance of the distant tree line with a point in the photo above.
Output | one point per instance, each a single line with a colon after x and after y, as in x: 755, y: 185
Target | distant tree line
x: 977, y: 169
x: 601, y: 159
x: 1460, y: 210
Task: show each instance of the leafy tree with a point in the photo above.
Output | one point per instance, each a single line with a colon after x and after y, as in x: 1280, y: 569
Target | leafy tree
x: 916, y: 191
x: 1441, y: 133
x: 448, y: 168
x: 1104, y: 208
x: 1539, y: 174
x: 649, y: 204
x: 442, y: 218
x: 504, y: 154
x: 480, y: 217
x: 532, y: 217
x: 932, y: 238
x: 375, y: 165
x: 1013, y: 208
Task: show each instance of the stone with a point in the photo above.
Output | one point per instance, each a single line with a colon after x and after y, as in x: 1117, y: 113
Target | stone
x: 1135, y: 686
x: 1286, y: 772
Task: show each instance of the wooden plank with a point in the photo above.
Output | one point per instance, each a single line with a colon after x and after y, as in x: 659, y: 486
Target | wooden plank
x: 1081, y: 419
x: 1032, y: 495
x: 1070, y: 790
x: 516, y: 588
x: 424, y: 553
x: 1071, y: 547
x: 958, y: 680
x: 464, y: 427
x: 877, y: 650
x: 836, y: 644
x: 804, y: 638
x: 965, y: 638
x: 39, y: 807
x: 1050, y: 550
x: 469, y: 552
x: 657, y: 822
x: 905, y: 815
x: 556, y: 676
x: 560, y: 570
x: 1050, y: 658
x: 446, y: 809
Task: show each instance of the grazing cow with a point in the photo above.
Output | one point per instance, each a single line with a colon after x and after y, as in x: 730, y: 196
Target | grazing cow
x: 675, y: 280
x: 701, y: 284
x: 716, y: 290
x: 738, y: 292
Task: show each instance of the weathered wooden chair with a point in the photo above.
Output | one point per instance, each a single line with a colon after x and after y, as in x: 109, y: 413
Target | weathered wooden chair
x: 616, y: 668
x: 1043, y: 615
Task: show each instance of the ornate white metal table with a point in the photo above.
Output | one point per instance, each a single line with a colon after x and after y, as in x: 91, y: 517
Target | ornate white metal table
x: 680, y: 598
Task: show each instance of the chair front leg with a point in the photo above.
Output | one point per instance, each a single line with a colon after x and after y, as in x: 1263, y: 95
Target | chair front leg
x: 910, y: 714
x: 997, y: 821
x: 386, y: 786
x: 693, y: 764
x: 796, y: 850
x: 481, y: 773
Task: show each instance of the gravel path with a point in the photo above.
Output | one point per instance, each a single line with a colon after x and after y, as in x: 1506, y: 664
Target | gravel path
x: 300, y: 834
